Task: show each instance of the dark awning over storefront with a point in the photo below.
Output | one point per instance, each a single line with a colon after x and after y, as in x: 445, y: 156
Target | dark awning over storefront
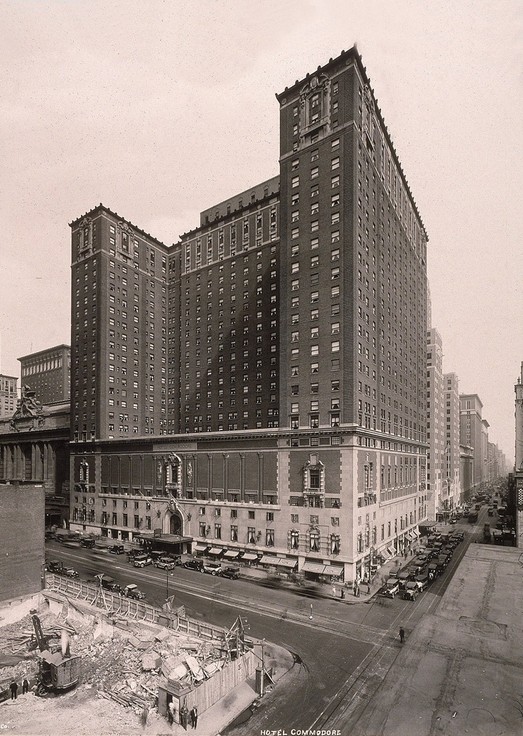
x: 268, y: 560
x: 231, y: 554
x: 284, y: 562
x: 316, y: 567
x: 200, y: 548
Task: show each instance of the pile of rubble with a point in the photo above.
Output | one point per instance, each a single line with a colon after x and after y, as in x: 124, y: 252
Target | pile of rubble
x: 120, y: 659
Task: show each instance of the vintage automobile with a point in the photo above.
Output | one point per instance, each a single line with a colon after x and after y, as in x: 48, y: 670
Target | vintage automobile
x: 132, y: 591
x: 230, y: 572
x: 403, y: 577
x: 55, y: 566
x: 142, y: 561
x: 412, y: 591
x: 165, y: 563
x: 69, y: 572
x: 390, y: 589
x: 117, y: 549
x: 193, y: 565
x: 212, y: 568
x: 89, y: 543
x: 422, y: 580
x: 109, y: 583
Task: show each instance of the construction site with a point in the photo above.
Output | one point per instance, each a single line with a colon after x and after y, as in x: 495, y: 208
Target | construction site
x: 100, y: 663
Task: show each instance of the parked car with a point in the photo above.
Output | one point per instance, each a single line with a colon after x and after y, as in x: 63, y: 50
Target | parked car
x: 132, y: 591
x: 117, y: 549
x: 230, y: 572
x: 212, y: 568
x: 194, y: 565
x: 142, y: 561
x: 402, y: 578
x: 89, y: 543
x: 70, y: 572
x: 422, y: 580
x: 391, y: 588
x: 432, y: 570
x: 109, y: 583
x: 165, y: 563
x: 55, y: 566
x: 412, y: 591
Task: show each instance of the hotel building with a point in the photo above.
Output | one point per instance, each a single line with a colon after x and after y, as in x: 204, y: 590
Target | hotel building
x: 258, y: 388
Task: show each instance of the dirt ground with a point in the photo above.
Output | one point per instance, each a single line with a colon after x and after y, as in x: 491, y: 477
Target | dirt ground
x: 78, y: 713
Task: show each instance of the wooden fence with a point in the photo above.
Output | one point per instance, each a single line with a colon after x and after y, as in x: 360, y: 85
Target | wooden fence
x: 120, y: 605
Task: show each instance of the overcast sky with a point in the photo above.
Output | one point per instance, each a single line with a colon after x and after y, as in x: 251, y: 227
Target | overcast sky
x: 161, y: 109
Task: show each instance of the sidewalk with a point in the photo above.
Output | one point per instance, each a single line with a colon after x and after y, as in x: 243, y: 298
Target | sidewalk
x: 212, y: 721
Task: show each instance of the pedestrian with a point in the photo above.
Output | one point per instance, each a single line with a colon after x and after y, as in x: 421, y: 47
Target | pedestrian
x: 194, y: 717
x: 334, y: 591
x: 25, y: 686
x: 368, y: 588
x: 357, y: 590
x: 405, y: 553
x: 184, y: 716
x: 170, y: 712
x: 402, y: 634
x: 14, y: 690
x: 342, y: 594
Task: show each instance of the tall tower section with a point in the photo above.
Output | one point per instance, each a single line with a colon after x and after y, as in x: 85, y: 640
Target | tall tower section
x: 119, y: 329
x: 353, y: 263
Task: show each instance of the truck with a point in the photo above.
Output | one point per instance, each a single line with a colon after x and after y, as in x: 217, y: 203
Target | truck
x: 473, y: 517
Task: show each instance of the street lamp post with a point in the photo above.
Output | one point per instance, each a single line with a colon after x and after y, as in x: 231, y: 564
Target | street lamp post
x: 167, y: 573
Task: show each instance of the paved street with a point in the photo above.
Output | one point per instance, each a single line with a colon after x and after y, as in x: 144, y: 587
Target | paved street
x: 341, y: 654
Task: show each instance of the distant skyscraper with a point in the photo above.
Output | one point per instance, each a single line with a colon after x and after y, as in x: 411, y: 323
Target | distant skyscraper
x: 8, y: 395
x: 472, y: 432
x: 452, y: 438
x: 438, y: 487
x: 48, y: 374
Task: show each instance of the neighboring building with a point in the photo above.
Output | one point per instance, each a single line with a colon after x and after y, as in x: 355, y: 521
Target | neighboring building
x: 472, y: 433
x: 22, y: 535
x: 8, y: 395
x: 466, y: 470
x: 484, y: 448
x: 286, y: 336
x: 48, y: 374
x: 34, y: 449
x: 517, y: 479
x: 518, y: 416
x: 452, y: 439
x: 438, y: 490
